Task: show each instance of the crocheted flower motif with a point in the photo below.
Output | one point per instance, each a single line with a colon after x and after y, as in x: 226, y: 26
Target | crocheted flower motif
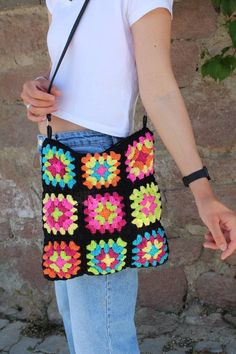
x: 61, y: 260
x: 104, y: 212
x: 101, y: 169
x: 140, y: 158
x: 106, y: 257
x: 59, y: 214
x: 57, y: 167
x: 150, y: 249
x: 146, y: 204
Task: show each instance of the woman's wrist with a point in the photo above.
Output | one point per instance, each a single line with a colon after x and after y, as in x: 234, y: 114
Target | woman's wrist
x: 201, y: 189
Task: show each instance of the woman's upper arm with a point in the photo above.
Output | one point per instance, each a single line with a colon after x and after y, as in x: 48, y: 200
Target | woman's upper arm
x: 50, y: 5
x: 49, y: 23
x: 49, y: 18
x: 152, y: 45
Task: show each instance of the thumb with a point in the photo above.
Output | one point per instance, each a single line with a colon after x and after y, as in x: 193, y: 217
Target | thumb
x: 218, y: 235
x: 55, y: 91
x: 44, y: 84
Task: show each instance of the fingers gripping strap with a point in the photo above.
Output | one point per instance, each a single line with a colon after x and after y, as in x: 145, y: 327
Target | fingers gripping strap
x: 49, y: 128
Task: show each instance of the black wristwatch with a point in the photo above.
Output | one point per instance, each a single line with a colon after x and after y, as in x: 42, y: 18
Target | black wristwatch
x: 203, y: 172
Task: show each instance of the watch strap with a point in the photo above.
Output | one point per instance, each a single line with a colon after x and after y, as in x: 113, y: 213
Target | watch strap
x: 203, y: 172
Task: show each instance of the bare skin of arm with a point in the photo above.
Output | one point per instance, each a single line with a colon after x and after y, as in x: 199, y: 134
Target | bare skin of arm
x: 165, y: 106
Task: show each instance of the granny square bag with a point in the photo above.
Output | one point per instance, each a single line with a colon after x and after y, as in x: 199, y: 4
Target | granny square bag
x: 100, y: 211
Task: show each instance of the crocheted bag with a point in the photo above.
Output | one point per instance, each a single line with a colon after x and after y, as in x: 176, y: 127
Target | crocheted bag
x: 100, y: 211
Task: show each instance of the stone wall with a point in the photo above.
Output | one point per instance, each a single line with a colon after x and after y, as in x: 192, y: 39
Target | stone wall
x: 192, y: 273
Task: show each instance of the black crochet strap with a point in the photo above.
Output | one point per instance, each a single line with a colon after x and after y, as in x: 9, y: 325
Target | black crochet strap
x: 144, y: 121
x: 49, y: 128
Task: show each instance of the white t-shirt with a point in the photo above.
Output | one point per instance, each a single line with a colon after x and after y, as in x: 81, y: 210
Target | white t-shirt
x: 98, y: 76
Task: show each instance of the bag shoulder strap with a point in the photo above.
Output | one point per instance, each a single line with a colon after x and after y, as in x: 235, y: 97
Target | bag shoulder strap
x: 49, y: 128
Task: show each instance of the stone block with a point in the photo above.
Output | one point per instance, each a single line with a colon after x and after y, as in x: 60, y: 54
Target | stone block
x: 5, y: 231
x: 23, y: 31
x: 21, y: 301
x: 25, y: 263
x: 153, y: 345
x: 12, y: 119
x: 226, y: 193
x: 184, y: 251
x: 17, y: 165
x: 11, y: 4
x: 184, y: 56
x: 12, y: 80
x: 53, y: 344
x: 163, y: 289
x: 3, y: 323
x: 208, y: 347
x: 10, y: 335
x: 15, y: 201
x: 167, y: 173
x: 29, y: 267
x: 181, y: 207
x: 230, y: 347
x: 231, y: 259
x: 193, y: 19
x: 216, y: 289
x: 156, y: 323
x: 24, y: 346
x: 231, y: 319
x: 222, y: 168
x: 53, y: 312
x: 28, y: 229
x: 212, y: 108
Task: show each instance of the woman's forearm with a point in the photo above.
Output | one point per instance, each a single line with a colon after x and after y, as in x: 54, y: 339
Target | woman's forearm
x: 170, y: 118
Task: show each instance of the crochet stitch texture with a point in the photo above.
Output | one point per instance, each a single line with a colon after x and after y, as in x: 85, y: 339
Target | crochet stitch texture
x: 101, y: 212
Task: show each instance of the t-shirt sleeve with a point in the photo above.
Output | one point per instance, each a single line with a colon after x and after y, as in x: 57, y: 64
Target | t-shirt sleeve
x: 50, y: 5
x: 138, y: 8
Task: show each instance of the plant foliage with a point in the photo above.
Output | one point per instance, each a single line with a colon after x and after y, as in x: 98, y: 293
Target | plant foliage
x: 222, y: 65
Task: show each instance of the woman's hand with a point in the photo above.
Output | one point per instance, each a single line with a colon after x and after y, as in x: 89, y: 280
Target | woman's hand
x: 34, y: 92
x: 221, y: 222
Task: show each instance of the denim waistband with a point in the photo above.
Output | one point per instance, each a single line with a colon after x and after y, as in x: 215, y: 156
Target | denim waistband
x: 76, y: 133
x: 82, y: 138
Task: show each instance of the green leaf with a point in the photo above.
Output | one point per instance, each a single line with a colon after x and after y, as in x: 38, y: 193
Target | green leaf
x: 224, y: 50
x: 229, y: 61
x: 216, y: 3
x: 219, y: 67
x: 228, y: 7
x: 232, y: 32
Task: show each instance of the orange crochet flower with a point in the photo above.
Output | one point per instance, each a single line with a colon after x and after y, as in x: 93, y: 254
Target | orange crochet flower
x: 101, y: 169
x: 61, y: 260
x: 140, y: 158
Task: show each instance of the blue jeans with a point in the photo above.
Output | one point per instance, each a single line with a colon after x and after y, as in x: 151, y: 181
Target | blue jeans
x: 97, y: 311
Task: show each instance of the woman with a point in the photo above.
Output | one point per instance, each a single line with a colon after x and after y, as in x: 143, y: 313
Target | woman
x: 120, y: 49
